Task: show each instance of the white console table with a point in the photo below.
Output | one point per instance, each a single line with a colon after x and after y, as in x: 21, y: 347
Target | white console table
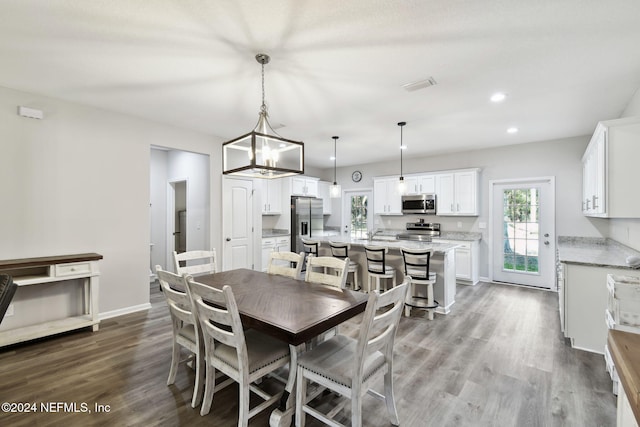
x: 29, y: 272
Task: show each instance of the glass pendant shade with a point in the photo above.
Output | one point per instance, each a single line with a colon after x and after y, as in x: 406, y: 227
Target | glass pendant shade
x: 262, y: 153
x: 335, y: 190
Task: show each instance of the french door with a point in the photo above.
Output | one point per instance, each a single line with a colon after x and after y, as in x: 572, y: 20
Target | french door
x: 356, y: 213
x: 523, y: 231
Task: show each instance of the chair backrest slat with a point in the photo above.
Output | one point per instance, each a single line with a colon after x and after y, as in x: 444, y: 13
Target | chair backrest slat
x: 378, y: 327
x: 218, y: 315
x: 280, y: 263
x: 339, y: 249
x: 416, y: 262
x: 174, y: 289
x: 376, y: 258
x: 196, y: 262
x: 337, y: 271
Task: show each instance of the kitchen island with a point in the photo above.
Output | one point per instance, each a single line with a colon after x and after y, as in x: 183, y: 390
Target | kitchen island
x: 442, y: 263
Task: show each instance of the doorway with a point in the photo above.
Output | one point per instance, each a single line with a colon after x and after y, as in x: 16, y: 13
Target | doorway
x: 356, y: 213
x: 522, y: 216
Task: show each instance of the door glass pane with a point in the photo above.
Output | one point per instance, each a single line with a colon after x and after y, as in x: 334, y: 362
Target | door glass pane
x: 359, y: 205
x: 521, y: 230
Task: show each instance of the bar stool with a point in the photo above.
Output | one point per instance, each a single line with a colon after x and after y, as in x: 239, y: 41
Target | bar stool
x: 341, y: 251
x: 310, y: 248
x: 377, y: 267
x: 416, y: 266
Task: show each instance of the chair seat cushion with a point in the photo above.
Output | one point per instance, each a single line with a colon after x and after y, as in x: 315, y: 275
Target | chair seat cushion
x: 418, y: 274
x: 262, y: 351
x: 335, y: 359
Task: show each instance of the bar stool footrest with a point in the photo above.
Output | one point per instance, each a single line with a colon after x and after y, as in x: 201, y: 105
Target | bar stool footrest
x: 421, y: 302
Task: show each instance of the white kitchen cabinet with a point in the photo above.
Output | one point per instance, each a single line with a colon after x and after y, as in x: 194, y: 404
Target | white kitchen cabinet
x: 271, y: 196
x: 270, y: 244
x: 324, y: 194
x: 609, y: 168
x: 420, y: 184
x: 467, y: 260
x: 304, y: 186
x: 386, y: 196
x: 457, y: 193
x: 584, y: 304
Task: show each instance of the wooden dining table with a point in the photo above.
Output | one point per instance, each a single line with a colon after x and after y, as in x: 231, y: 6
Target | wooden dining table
x: 290, y: 310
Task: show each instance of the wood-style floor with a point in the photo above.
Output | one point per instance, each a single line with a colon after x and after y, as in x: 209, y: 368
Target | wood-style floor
x: 497, y: 360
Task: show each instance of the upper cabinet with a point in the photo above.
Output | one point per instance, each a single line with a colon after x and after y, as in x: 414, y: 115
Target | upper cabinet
x: 304, y: 186
x: 386, y: 196
x: 324, y: 194
x: 457, y: 193
x: 271, y: 196
x: 420, y: 184
x: 609, y: 165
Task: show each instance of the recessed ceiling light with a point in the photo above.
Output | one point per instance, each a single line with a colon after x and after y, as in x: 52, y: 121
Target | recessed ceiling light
x: 512, y: 130
x: 498, y: 97
x: 332, y: 158
x: 403, y: 147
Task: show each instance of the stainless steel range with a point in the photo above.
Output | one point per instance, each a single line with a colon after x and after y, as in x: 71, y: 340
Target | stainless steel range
x: 420, y: 231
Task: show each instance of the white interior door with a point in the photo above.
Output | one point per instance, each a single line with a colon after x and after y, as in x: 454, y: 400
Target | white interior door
x: 237, y: 220
x: 523, y: 231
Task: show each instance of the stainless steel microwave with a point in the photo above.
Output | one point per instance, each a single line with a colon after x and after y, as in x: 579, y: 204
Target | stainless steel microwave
x: 419, y: 204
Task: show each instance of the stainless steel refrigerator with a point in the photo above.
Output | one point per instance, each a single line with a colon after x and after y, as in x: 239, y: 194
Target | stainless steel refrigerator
x: 306, y: 220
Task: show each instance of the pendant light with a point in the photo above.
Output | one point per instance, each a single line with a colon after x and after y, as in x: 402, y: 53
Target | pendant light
x: 262, y: 153
x: 335, y: 190
x: 402, y: 187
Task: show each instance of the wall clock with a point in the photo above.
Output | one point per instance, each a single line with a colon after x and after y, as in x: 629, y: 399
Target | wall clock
x: 356, y: 176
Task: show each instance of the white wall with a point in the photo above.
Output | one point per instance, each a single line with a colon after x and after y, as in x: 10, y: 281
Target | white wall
x: 627, y: 231
x: 559, y: 158
x: 78, y: 181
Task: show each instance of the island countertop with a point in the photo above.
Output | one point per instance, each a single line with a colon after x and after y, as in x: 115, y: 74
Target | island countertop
x: 438, y: 247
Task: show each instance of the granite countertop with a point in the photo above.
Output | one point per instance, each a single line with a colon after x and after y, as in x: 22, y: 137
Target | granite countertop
x: 594, y: 251
x: 392, y: 244
x: 274, y: 232
x: 466, y: 236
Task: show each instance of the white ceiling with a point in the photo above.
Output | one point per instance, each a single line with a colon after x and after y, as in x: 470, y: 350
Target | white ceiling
x: 337, y: 67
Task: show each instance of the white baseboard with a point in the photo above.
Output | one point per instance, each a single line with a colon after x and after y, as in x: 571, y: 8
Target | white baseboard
x: 484, y: 279
x: 123, y: 311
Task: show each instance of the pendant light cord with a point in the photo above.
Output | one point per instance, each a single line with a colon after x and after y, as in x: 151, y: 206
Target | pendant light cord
x: 335, y: 158
x: 263, y: 107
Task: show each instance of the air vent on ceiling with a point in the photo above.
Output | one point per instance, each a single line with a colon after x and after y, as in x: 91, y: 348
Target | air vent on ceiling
x: 420, y: 84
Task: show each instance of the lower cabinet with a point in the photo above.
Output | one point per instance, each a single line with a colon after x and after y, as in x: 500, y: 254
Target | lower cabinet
x: 270, y: 244
x: 584, y: 301
x: 467, y: 257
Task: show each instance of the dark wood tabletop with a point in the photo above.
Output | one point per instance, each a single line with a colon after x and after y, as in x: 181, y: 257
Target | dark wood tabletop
x: 290, y: 310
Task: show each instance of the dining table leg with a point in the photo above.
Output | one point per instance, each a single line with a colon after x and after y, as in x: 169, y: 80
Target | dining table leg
x: 282, y: 416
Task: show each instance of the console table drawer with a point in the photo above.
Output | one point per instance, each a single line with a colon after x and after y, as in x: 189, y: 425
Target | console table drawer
x: 72, y: 269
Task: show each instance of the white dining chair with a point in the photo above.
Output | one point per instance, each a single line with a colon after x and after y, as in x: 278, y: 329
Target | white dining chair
x: 350, y: 366
x: 244, y: 356
x: 195, y: 263
x: 416, y: 266
x: 185, y: 328
x: 280, y: 263
x: 327, y: 270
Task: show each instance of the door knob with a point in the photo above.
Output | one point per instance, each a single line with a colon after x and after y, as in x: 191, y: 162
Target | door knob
x: 228, y: 239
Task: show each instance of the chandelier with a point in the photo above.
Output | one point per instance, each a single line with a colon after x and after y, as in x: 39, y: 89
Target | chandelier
x: 262, y: 153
